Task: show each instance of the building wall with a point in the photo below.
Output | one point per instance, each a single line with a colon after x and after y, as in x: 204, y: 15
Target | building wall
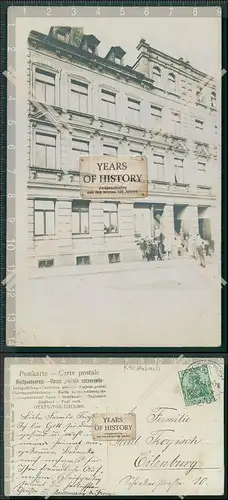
x: 185, y: 142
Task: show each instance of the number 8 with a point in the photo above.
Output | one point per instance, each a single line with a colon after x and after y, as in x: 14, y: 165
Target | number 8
x: 195, y: 11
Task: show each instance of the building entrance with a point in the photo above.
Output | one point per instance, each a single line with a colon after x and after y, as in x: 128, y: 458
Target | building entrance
x: 180, y: 225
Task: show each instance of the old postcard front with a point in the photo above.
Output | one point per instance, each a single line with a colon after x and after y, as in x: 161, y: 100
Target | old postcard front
x: 114, y: 427
x: 114, y: 216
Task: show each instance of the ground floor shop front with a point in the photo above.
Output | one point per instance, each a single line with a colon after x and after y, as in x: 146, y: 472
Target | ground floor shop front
x: 63, y: 231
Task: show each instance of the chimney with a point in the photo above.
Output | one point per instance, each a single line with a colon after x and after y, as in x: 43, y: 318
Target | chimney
x: 142, y: 63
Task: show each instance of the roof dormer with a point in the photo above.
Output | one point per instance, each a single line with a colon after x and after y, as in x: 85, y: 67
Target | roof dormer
x: 67, y: 34
x: 116, y: 55
x: 90, y: 44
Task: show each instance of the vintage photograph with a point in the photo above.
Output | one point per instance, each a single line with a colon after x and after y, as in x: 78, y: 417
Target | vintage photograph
x: 120, y: 271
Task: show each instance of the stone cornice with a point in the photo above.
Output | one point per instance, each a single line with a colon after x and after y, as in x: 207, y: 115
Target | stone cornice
x: 62, y: 49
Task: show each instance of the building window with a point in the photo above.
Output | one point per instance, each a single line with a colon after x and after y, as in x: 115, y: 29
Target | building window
x: 46, y: 263
x: 135, y: 152
x: 159, y: 167
x: 189, y: 90
x: 79, y: 96
x: 45, y: 86
x: 157, y: 76
x: 213, y: 100
x: 183, y: 85
x: 44, y: 217
x: 156, y: 115
x: 108, y: 100
x: 79, y: 148
x: 110, y: 218
x: 199, y: 95
x: 176, y: 119
x: 201, y: 172
x: 83, y: 260
x: 178, y: 170
x: 80, y: 217
x: 171, y: 82
x: 109, y: 150
x: 91, y: 49
x: 113, y: 257
x: 45, y: 153
x: 133, y: 111
x: 199, y: 124
x: 61, y: 37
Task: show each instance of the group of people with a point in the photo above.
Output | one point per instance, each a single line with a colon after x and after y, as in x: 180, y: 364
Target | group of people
x: 161, y: 247
x: 195, y: 247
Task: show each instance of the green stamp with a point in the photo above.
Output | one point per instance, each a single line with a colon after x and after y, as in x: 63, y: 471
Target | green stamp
x: 196, y: 385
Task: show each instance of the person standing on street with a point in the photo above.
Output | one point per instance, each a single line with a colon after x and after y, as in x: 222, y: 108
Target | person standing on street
x: 200, y: 248
x: 167, y: 247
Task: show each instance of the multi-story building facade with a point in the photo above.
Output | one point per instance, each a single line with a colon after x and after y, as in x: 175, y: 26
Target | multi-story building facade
x: 81, y: 103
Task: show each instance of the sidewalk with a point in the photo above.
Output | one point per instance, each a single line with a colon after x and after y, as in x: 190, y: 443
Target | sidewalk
x: 120, y: 267
x: 103, y: 268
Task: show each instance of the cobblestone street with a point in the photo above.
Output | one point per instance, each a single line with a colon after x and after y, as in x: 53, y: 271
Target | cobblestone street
x: 174, y: 302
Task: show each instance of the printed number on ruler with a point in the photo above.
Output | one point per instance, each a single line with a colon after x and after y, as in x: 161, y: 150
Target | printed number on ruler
x: 10, y: 245
x: 11, y: 318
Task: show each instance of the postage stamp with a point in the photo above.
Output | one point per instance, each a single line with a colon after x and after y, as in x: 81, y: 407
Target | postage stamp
x: 113, y: 426
x: 198, y: 384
